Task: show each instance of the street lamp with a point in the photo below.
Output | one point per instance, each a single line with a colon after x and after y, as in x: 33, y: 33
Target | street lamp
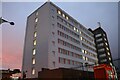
x: 3, y: 20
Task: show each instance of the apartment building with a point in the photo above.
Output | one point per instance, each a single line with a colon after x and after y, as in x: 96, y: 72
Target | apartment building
x: 102, y: 47
x: 54, y: 39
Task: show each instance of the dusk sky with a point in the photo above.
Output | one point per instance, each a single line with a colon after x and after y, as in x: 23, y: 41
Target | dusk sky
x: 87, y: 13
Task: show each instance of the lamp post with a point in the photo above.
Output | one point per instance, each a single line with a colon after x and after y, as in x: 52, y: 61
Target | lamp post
x: 3, y: 21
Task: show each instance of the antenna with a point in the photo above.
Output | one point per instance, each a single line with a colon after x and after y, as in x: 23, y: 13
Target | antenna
x: 99, y: 24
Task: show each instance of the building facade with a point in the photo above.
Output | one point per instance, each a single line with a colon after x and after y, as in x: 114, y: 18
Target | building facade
x: 102, y: 47
x: 54, y: 39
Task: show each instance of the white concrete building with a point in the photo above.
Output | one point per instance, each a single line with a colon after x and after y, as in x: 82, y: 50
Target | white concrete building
x: 54, y: 39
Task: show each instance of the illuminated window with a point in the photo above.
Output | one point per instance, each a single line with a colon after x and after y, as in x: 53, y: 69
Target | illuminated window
x: 67, y: 17
x: 109, y: 58
x: 111, y: 64
x: 59, y: 12
x: 74, y: 28
x: 83, y: 57
x: 86, y: 59
x: 33, y: 71
x: 107, y: 48
x: 34, y: 51
x: 81, y: 38
x: 33, y: 61
x: 63, y: 15
x: 77, y: 30
x: 80, y: 32
x: 36, y: 19
x: 34, y: 42
x: 83, y: 50
x: 35, y: 34
x: 108, y: 53
x: 106, y: 44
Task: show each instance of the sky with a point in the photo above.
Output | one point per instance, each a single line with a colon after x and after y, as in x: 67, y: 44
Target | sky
x: 87, y: 13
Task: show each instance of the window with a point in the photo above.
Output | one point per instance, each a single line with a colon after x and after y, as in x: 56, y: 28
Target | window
x: 53, y: 42
x: 35, y: 27
x: 53, y: 24
x: 102, y: 55
x: 86, y: 58
x: 77, y: 30
x: 35, y: 42
x: 86, y: 52
x: 108, y: 53
x: 33, y: 61
x: 83, y: 57
x: 98, y: 35
x: 81, y: 38
x: 105, y: 39
x: 68, y: 37
x: 107, y: 48
x: 98, y: 40
x: 35, y: 34
x: 67, y: 17
x: 53, y: 33
x: 54, y: 63
x: 54, y: 52
x: 109, y: 58
x: 101, y: 44
x: 61, y: 60
x: 83, y: 50
x: 33, y: 71
x: 104, y: 34
x: 80, y: 32
x: 63, y: 15
x: 36, y: 19
x: 68, y: 61
x: 71, y: 62
x: 36, y: 13
x: 106, y: 44
x: 52, y: 17
x: 59, y: 12
x: 34, y: 51
x: 111, y: 64
x: 52, y: 10
x: 74, y: 28
x: 100, y: 50
x: 103, y: 60
x: 67, y: 30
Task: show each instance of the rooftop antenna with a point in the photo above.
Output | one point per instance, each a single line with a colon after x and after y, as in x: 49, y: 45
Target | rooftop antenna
x: 99, y: 24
